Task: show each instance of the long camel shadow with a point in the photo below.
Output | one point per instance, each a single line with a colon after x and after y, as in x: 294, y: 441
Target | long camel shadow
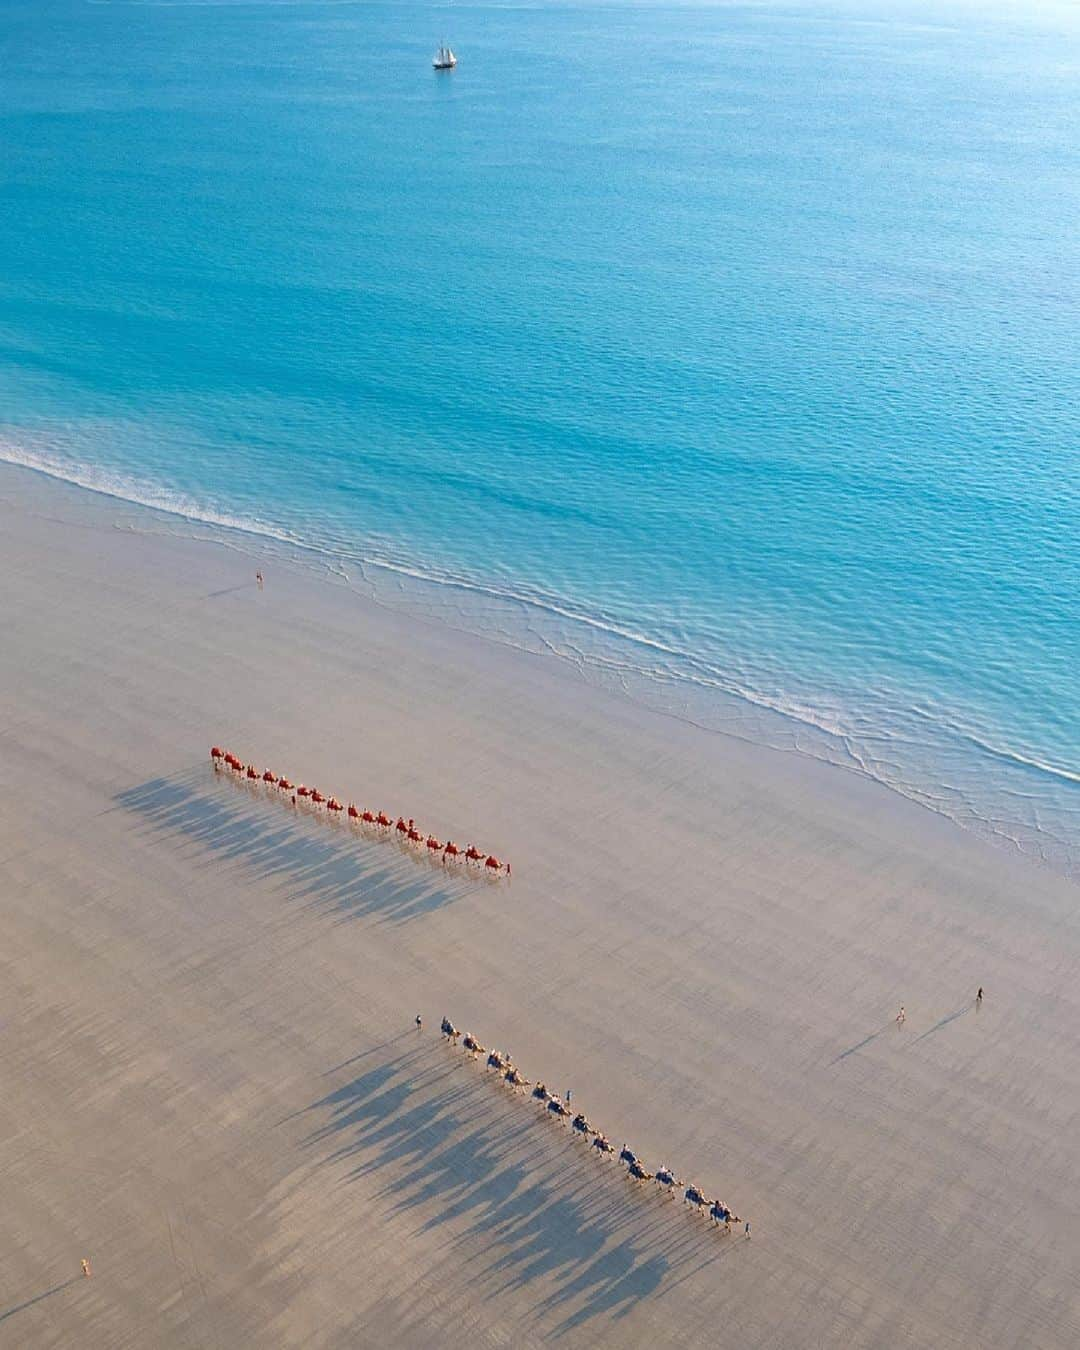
x: 521, y: 1204
x: 38, y: 1298
x: 320, y: 862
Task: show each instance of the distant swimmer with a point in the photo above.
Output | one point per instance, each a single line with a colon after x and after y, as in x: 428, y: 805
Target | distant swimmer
x: 85, y: 1268
x: 901, y: 1016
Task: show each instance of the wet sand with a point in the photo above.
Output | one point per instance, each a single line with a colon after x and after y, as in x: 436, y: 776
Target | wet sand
x: 212, y: 1082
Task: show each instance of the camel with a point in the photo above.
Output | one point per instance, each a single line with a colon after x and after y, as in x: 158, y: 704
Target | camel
x: 368, y: 817
x: 413, y: 835
x: 383, y: 819
x: 638, y: 1172
x: 602, y: 1143
x: 284, y: 784
x: 497, y: 1061
x: 401, y: 827
x: 493, y: 863
x: 627, y: 1155
x: 514, y: 1078
x: 334, y: 805
x: 720, y: 1214
x: 695, y: 1197
x: 449, y: 1030
x: 540, y: 1092
x: 473, y: 854
x: 581, y: 1124
x: 216, y: 752
x: 472, y: 1044
x: 316, y: 796
x: 666, y: 1177
x: 251, y: 771
x: 555, y: 1105
x: 354, y: 814
x: 269, y: 777
x: 433, y: 844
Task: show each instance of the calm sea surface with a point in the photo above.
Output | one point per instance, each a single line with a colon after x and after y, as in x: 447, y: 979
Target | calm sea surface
x: 729, y: 351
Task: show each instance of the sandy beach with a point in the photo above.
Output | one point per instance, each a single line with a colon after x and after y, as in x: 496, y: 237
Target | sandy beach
x: 212, y: 1083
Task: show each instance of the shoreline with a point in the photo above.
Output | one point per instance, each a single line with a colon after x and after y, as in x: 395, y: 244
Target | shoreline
x: 730, y: 712
x: 215, y: 1085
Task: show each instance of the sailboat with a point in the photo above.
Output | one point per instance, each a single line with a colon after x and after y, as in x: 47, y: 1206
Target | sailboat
x: 444, y: 58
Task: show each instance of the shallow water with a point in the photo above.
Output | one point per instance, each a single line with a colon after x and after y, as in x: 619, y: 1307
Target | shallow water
x: 728, y: 351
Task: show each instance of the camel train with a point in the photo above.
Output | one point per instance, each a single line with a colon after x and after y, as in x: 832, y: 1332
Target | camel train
x: 407, y: 830
x: 664, y: 1176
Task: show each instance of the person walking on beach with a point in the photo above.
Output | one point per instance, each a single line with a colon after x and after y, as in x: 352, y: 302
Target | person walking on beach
x: 419, y: 1022
x: 747, y: 1230
x: 259, y: 580
x: 85, y: 1268
x: 569, y: 1095
x: 978, y: 998
x: 901, y: 1016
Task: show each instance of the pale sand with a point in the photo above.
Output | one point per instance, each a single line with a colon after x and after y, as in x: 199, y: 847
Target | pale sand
x: 212, y: 1087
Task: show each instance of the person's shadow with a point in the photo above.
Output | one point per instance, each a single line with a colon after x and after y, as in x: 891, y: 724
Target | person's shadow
x: 859, y: 1045
x: 946, y: 1020
x: 29, y: 1303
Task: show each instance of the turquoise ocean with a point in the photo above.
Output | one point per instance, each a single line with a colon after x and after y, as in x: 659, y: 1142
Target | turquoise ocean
x: 728, y: 351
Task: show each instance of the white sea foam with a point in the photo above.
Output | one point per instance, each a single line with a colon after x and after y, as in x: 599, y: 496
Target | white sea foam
x: 125, y: 488
x: 1027, y: 761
